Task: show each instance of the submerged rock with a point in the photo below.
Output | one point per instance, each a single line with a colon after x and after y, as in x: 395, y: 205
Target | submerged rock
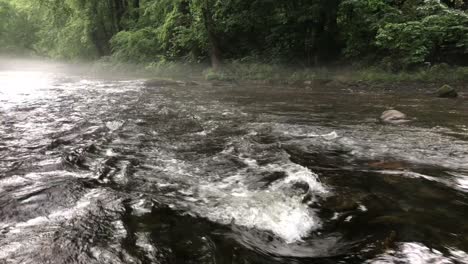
x: 393, y: 117
x: 75, y: 158
x: 447, y: 91
x: 300, y: 187
x: 106, y: 167
x: 341, y: 203
x: 57, y: 143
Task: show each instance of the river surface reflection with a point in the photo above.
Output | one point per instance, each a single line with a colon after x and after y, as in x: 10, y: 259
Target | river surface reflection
x: 107, y: 170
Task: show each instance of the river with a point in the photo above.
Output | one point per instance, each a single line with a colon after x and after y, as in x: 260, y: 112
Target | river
x: 106, y: 170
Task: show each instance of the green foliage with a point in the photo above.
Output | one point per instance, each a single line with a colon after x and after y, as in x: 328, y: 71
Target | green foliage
x: 436, y: 73
x: 360, y: 21
x: 436, y: 32
x: 139, y: 45
x: 17, y: 29
x: 279, y: 74
x: 266, y: 30
x: 75, y: 28
x: 404, y: 34
x: 396, y: 34
x: 267, y: 73
x: 165, y: 30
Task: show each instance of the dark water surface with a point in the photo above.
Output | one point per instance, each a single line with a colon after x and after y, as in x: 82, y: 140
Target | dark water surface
x: 97, y: 170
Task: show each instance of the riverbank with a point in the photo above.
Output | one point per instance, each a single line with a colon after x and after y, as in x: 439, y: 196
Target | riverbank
x: 266, y: 74
x: 238, y: 73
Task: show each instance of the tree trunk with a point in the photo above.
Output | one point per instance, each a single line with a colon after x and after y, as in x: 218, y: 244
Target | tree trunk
x: 120, y: 7
x: 136, y: 9
x: 215, y: 51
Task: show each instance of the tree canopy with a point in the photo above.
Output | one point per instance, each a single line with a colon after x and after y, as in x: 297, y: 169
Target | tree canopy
x: 396, y: 33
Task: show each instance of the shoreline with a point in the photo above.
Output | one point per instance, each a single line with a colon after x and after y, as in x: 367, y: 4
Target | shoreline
x: 234, y: 74
x: 277, y: 75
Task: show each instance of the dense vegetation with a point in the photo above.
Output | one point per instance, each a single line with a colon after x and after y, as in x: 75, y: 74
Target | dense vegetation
x: 396, y: 34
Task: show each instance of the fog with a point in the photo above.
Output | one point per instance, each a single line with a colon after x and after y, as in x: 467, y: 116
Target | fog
x: 88, y: 69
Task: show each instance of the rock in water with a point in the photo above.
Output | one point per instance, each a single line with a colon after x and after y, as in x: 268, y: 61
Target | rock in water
x: 393, y: 117
x: 447, y: 91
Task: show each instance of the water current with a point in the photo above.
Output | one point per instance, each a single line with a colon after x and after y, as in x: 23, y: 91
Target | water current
x: 108, y: 170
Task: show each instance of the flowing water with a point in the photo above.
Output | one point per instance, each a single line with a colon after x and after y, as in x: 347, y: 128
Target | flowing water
x: 106, y: 170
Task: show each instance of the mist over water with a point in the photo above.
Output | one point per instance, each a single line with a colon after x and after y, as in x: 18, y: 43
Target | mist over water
x: 96, y: 169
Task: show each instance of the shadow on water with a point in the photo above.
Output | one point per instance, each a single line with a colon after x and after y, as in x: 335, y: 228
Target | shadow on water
x: 97, y: 170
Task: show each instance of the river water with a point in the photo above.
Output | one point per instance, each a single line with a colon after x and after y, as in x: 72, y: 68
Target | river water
x: 106, y: 170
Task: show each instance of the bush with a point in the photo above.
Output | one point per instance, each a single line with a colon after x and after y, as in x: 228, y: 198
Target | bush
x: 18, y: 30
x: 136, y: 46
x: 438, y: 32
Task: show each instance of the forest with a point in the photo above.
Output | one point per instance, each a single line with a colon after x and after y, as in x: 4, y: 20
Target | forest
x: 393, y: 34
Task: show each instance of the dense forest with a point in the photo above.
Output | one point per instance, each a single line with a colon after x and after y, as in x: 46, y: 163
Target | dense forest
x: 396, y: 33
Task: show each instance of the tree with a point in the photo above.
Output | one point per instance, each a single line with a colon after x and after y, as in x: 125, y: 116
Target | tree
x: 402, y: 33
x: 17, y: 30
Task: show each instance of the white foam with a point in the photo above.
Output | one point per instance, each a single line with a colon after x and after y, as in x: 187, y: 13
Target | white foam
x: 335, y: 216
x: 250, y: 162
x: 463, y: 183
x: 202, y: 133
x: 114, y: 125
x: 285, y: 216
x: 297, y: 173
x: 13, y: 181
x: 110, y: 153
x: 243, y: 197
x: 458, y: 255
x: 330, y: 136
x: 270, y: 209
x: 362, y: 208
x: 417, y: 253
x: 461, y: 180
x: 143, y: 242
x: 8, y: 249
